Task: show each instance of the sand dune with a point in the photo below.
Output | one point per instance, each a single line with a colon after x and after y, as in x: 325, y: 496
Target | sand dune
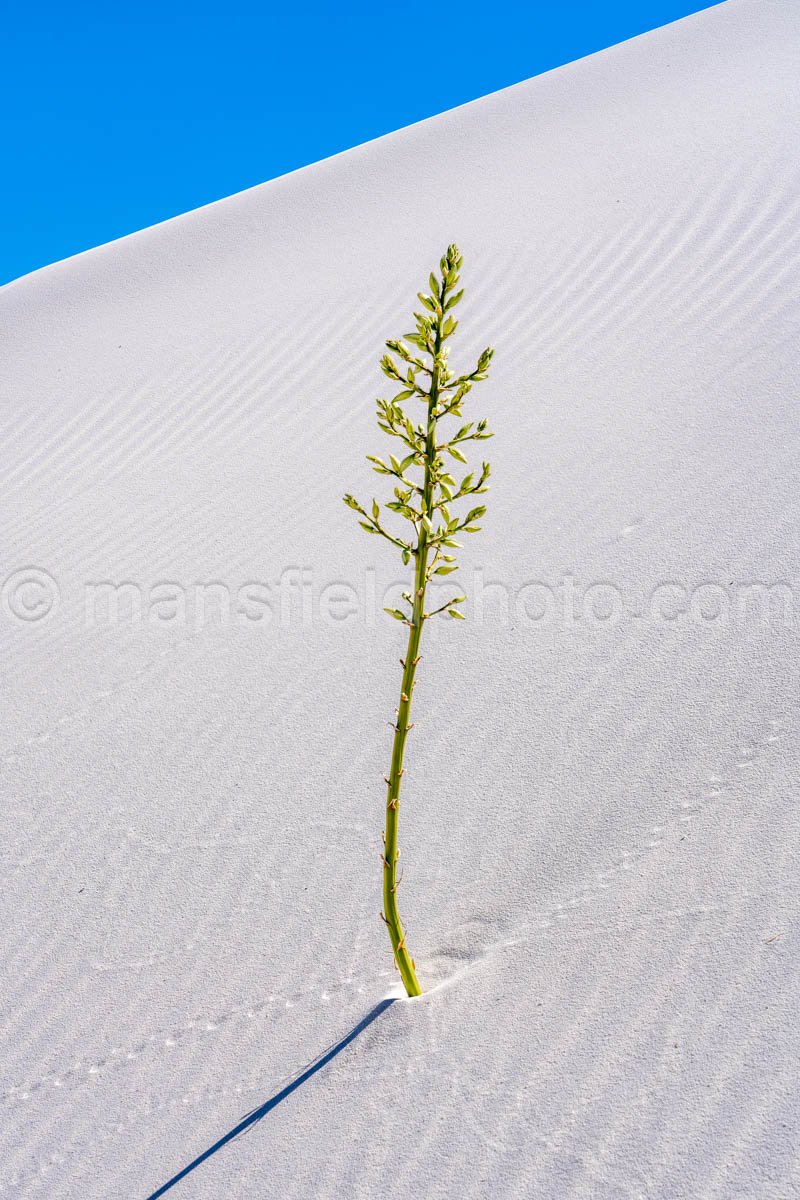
x: 600, y: 834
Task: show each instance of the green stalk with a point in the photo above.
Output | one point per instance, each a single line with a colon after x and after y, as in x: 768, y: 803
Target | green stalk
x: 405, y: 963
x: 391, y: 852
x: 435, y: 528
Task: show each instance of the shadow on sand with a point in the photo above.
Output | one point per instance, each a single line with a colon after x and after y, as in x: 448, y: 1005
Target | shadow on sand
x: 275, y: 1100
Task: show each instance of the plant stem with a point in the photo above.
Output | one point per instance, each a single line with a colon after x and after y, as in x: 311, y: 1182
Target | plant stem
x: 405, y: 963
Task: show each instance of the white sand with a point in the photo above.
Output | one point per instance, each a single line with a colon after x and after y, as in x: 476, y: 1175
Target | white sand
x: 601, y: 834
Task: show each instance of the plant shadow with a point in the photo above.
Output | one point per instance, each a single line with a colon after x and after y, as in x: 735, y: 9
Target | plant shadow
x: 258, y: 1113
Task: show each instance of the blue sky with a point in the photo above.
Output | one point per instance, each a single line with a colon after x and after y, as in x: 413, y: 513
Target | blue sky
x: 116, y: 117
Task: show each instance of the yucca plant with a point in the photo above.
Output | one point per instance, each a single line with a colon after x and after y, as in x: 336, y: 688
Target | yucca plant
x: 425, y: 494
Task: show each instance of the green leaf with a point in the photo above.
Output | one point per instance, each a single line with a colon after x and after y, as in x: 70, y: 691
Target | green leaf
x: 456, y: 453
x: 406, y: 555
x: 396, y: 613
x: 375, y: 509
x: 455, y: 614
x: 453, y: 301
x: 445, y: 570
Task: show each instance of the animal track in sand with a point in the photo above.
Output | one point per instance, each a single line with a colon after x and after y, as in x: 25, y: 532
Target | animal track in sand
x: 169, y: 1037
x: 687, y: 811
x: 627, y: 530
x: 470, y: 946
x: 560, y: 916
x: 715, y: 787
x: 470, y: 943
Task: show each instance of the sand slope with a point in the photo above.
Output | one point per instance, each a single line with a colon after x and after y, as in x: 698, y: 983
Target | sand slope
x: 601, y: 832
